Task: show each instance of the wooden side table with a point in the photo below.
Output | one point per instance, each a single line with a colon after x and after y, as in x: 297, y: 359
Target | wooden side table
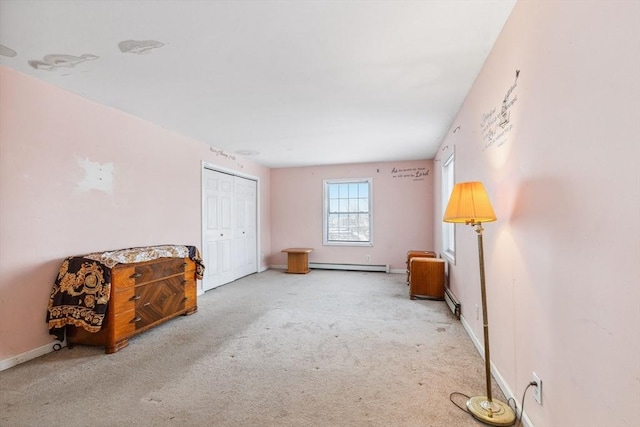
x: 298, y: 260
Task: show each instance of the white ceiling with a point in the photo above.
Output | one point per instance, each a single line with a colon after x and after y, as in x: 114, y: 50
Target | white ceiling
x: 290, y: 83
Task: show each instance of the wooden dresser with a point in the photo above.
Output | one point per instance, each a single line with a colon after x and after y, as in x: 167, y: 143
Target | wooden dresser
x: 143, y: 295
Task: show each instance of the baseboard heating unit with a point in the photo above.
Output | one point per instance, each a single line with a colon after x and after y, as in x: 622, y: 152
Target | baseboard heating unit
x: 350, y: 267
x: 451, y: 301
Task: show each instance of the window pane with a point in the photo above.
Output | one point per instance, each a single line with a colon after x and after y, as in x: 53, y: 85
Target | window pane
x: 353, y: 191
x: 344, y: 191
x: 363, y: 205
x: 332, y: 227
x: 364, y: 226
x: 363, y: 190
x: 333, y: 191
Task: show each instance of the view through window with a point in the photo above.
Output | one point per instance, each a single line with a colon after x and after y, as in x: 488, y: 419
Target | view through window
x: 348, y: 213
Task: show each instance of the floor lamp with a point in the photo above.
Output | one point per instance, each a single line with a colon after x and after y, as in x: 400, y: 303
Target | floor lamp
x: 469, y: 204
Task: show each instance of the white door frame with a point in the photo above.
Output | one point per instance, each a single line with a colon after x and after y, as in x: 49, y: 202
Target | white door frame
x: 216, y: 168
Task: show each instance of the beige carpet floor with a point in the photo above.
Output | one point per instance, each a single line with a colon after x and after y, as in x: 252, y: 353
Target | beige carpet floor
x: 327, y: 348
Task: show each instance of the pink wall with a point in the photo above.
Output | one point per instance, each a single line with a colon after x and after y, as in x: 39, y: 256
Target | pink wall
x: 77, y: 177
x: 562, y: 259
x: 402, y: 212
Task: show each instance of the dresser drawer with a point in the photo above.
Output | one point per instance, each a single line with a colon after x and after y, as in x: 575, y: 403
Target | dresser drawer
x: 123, y: 300
x: 159, y: 300
x: 190, y: 294
x: 124, y: 325
x: 122, y: 277
x: 150, y: 271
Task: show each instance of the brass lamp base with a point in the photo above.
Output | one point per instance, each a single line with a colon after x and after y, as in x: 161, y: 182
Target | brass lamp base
x: 495, y: 413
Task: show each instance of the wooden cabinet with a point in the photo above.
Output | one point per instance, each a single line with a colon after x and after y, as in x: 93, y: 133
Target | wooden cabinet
x: 143, y: 295
x: 420, y: 254
x: 427, y: 278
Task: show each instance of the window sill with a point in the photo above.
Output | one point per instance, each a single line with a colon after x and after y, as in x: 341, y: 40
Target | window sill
x: 449, y: 256
x: 355, y: 244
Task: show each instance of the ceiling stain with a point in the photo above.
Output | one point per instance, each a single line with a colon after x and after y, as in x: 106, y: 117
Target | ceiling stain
x: 5, y: 51
x: 139, y: 47
x: 54, y: 61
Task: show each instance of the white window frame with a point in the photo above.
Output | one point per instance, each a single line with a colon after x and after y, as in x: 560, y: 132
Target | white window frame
x: 448, y: 228
x: 325, y: 225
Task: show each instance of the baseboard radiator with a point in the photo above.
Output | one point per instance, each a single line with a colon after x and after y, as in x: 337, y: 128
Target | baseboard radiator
x: 451, y: 301
x: 350, y: 267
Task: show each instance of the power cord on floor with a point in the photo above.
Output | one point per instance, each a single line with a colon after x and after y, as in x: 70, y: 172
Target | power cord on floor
x: 511, y: 400
x: 453, y: 401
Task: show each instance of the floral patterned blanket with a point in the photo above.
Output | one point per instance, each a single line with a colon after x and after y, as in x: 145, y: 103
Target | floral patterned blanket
x: 80, y: 294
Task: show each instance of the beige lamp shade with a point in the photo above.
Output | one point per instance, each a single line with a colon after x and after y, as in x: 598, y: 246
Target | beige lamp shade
x: 469, y: 204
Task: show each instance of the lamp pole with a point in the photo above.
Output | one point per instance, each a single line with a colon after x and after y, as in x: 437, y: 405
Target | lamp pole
x: 484, y: 408
x: 485, y: 317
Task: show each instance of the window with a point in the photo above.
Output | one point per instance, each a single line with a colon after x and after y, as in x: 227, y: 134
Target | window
x: 347, y: 212
x: 448, y: 229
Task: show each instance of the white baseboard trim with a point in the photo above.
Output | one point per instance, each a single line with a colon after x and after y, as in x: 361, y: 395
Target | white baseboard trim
x: 284, y: 267
x: 28, y: 355
x: 495, y: 372
x: 384, y: 268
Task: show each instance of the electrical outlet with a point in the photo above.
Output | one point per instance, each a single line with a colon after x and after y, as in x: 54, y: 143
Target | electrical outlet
x: 368, y: 258
x: 537, y: 389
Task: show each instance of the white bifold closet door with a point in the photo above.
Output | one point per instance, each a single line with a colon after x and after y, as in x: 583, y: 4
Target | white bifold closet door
x: 229, y: 228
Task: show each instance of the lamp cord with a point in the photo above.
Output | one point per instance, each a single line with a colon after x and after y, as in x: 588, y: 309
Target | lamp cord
x: 511, y: 399
x: 453, y: 401
x: 522, y: 402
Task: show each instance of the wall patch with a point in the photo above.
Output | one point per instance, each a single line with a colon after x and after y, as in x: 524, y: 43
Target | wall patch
x: 96, y: 176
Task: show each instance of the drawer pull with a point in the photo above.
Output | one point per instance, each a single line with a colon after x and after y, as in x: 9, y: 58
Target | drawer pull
x: 135, y: 275
x: 184, y: 264
x: 136, y: 320
x: 185, y: 298
x: 134, y: 298
x: 184, y: 282
x: 146, y: 304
